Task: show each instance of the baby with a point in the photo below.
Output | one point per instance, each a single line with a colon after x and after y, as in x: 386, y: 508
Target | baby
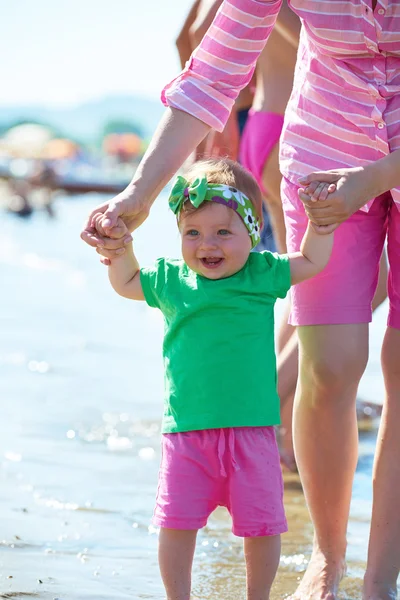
x: 221, y: 403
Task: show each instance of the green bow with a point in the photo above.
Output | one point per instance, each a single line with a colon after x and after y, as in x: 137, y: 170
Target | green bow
x: 183, y: 190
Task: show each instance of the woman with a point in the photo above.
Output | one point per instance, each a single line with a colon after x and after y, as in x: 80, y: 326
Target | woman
x: 342, y: 114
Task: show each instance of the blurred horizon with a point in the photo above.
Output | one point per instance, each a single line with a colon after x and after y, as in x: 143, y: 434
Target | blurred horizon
x: 65, y: 55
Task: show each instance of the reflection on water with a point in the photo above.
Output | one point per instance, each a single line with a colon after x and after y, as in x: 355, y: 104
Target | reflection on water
x: 81, y: 389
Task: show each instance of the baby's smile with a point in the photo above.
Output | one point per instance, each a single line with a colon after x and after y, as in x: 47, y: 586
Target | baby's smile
x: 212, y: 262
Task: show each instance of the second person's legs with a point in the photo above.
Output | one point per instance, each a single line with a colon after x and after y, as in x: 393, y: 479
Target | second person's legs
x: 384, y: 546
x: 326, y: 444
x: 332, y: 311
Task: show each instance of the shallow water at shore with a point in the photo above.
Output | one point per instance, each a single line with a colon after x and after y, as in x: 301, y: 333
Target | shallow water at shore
x: 81, y: 389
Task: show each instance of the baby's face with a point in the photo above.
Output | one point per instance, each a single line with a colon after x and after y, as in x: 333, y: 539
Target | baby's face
x: 215, y: 241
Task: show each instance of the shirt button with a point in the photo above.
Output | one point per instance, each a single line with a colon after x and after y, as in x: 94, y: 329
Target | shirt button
x: 381, y: 11
x: 381, y: 125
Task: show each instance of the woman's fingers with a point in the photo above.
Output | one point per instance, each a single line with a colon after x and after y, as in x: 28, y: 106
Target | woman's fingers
x: 110, y: 253
x: 91, y: 237
x: 314, y: 204
x: 327, y: 176
x: 325, y: 229
x: 320, y: 212
x: 111, y: 244
x: 322, y: 220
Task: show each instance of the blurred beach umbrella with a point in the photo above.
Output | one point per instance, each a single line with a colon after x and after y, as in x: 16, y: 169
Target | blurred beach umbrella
x: 27, y: 140
x: 123, y: 144
x: 60, y: 148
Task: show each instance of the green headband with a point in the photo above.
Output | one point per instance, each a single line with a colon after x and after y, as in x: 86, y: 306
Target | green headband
x: 200, y: 191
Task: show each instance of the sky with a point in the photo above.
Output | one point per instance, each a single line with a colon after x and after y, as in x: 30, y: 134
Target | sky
x: 63, y: 52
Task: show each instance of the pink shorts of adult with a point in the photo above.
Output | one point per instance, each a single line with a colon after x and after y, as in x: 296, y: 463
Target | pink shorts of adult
x: 260, y: 135
x: 236, y: 467
x: 343, y: 292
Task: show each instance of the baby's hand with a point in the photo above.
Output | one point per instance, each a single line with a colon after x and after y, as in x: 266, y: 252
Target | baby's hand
x: 118, y: 232
x: 319, y: 190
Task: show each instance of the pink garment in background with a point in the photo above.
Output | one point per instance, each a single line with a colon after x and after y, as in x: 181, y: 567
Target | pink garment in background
x: 344, y: 110
x: 260, y: 136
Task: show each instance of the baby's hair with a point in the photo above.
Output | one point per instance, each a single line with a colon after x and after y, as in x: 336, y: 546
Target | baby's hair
x: 224, y: 171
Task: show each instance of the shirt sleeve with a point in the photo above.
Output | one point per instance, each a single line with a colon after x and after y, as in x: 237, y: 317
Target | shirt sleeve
x: 278, y: 273
x: 224, y: 62
x: 153, y: 282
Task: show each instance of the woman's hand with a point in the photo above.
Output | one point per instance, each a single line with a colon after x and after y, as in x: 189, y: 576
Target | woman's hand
x: 327, y: 208
x: 120, y: 216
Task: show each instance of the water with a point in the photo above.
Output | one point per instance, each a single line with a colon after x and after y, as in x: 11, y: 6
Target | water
x: 81, y: 393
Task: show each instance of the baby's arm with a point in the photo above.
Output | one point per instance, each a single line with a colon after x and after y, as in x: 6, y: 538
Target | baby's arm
x: 123, y: 270
x: 124, y: 275
x: 315, y: 251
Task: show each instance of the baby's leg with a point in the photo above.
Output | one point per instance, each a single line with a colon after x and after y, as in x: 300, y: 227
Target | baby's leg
x: 175, y: 557
x: 262, y: 561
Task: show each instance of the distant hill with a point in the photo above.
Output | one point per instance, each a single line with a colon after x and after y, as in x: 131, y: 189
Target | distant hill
x: 86, y: 121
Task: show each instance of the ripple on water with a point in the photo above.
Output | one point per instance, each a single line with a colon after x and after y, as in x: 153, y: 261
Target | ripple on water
x: 121, y: 433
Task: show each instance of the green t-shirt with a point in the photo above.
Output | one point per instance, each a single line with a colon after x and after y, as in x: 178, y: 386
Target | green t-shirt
x: 219, y: 354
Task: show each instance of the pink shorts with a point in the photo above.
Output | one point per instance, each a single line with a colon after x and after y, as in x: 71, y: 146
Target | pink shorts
x: 260, y: 135
x: 237, y: 467
x: 343, y: 292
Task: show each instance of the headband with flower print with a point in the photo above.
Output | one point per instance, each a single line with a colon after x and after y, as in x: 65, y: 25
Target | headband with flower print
x: 199, y: 191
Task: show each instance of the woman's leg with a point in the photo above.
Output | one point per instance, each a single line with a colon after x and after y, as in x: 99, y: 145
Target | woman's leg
x: 384, y: 545
x: 262, y: 560
x: 175, y: 557
x: 332, y: 361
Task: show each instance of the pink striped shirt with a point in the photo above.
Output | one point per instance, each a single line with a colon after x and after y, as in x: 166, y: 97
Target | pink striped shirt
x: 344, y: 110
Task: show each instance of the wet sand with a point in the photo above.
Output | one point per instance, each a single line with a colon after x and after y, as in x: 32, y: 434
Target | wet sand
x: 81, y: 388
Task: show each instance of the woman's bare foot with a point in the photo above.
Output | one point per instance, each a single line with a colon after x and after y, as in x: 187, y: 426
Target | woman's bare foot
x: 379, y: 591
x: 321, y: 579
